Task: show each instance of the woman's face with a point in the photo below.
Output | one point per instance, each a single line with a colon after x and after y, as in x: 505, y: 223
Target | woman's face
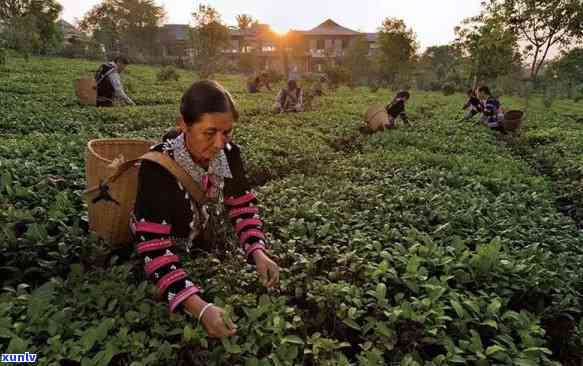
x: 207, y: 137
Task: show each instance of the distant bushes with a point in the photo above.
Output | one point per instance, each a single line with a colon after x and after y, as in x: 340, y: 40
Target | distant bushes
x: 274, y: 76
x: 168, y: 73
x: 337, y: 75
x: 448, y: 89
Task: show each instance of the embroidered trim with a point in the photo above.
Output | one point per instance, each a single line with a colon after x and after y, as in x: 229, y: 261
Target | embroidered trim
x: 251, y: 233
x: 245, y: 222
x: 160, y: 262
x: 169, y: 279
x: 218, y: 170
x: 219, y: 166
x: 241, y: 211
x: 154, y: 245
x: 152, y: 228
x: 181, y: 296
x: 232, y: 201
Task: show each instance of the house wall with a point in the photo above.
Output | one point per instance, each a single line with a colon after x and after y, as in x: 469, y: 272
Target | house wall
x: 320, y: 46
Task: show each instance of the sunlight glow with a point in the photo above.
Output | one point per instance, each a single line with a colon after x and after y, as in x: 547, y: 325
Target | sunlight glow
x: 279, y: 31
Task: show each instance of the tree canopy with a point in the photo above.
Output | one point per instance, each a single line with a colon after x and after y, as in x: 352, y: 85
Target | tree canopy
x: 398, y: 46
x: 31, y: 25
x: 132, y: 23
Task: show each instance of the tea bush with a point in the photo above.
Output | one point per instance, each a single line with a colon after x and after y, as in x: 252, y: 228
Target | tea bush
x: 448, y: 89
x: 433, y: 245
x: 168, y: 73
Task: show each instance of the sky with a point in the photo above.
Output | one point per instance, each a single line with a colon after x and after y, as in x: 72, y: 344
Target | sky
x: 433, y: 21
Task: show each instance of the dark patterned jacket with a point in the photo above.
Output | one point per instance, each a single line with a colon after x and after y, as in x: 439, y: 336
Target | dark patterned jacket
x: 492, y: 112
x: 165, y: 221
x: 475, y: 103
x: 397, y: 109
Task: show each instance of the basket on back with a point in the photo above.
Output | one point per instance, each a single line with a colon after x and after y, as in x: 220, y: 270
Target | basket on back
x: 512, y: 120
x: 376, y: 117
x: 86, y: 90
x: 109, y: 219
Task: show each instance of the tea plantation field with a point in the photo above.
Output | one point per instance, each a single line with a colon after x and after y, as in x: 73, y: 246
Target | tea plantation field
x: 440, y: 244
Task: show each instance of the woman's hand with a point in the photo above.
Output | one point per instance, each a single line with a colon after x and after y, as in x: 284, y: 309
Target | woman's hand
x: 268, y: 270
x: 216, y: 324
x: 213, y: 320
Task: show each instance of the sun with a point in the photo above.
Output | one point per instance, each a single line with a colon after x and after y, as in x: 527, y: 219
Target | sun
x: 279, y: 31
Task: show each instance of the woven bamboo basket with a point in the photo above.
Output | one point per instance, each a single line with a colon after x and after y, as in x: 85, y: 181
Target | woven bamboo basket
x: 86, y: 90
x: 107, y: 219
x: 376, y: 117
x: 512, y: 120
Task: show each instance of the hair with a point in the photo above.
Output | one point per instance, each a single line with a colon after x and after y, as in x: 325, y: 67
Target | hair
x: 121, y: 60
x: 484, y: 89
x: 401, y: 94
x: 258, y: 79
x: 291, y: 84
x: 471, y: 92
x: 206, y: 96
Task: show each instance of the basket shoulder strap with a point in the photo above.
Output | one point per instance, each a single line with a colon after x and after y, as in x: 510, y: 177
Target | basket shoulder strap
x: 193, y: 188
x: 119, y: 171
x: 177, y: 171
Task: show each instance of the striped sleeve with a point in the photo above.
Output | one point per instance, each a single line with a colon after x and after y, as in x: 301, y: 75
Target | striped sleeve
x: 151, y: 225
x: 242, y: 206
x: 244, y: 215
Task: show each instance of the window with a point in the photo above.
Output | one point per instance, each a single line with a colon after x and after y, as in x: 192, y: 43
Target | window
x: 235, y: 45
x: 320, y: 44
x: 345, y: 43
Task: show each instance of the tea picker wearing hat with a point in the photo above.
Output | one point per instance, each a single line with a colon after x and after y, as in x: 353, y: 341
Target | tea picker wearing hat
x: 109, y: 86
x: 169, y: 226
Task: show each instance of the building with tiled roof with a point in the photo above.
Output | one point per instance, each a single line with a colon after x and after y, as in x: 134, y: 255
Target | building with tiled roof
x: 305, y: 51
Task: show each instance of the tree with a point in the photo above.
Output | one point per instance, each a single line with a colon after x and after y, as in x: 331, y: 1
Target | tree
x: 567, y: 71
x: 209, y: 37
x: 357, y: 59
x: 398, y: 46
x: 131, y: 24
x: 442, y: 61
x: 489, y: 45
x: 570, y: 66
x: 31, y: 25
x: 245, y: 21
x: 541, y: 24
